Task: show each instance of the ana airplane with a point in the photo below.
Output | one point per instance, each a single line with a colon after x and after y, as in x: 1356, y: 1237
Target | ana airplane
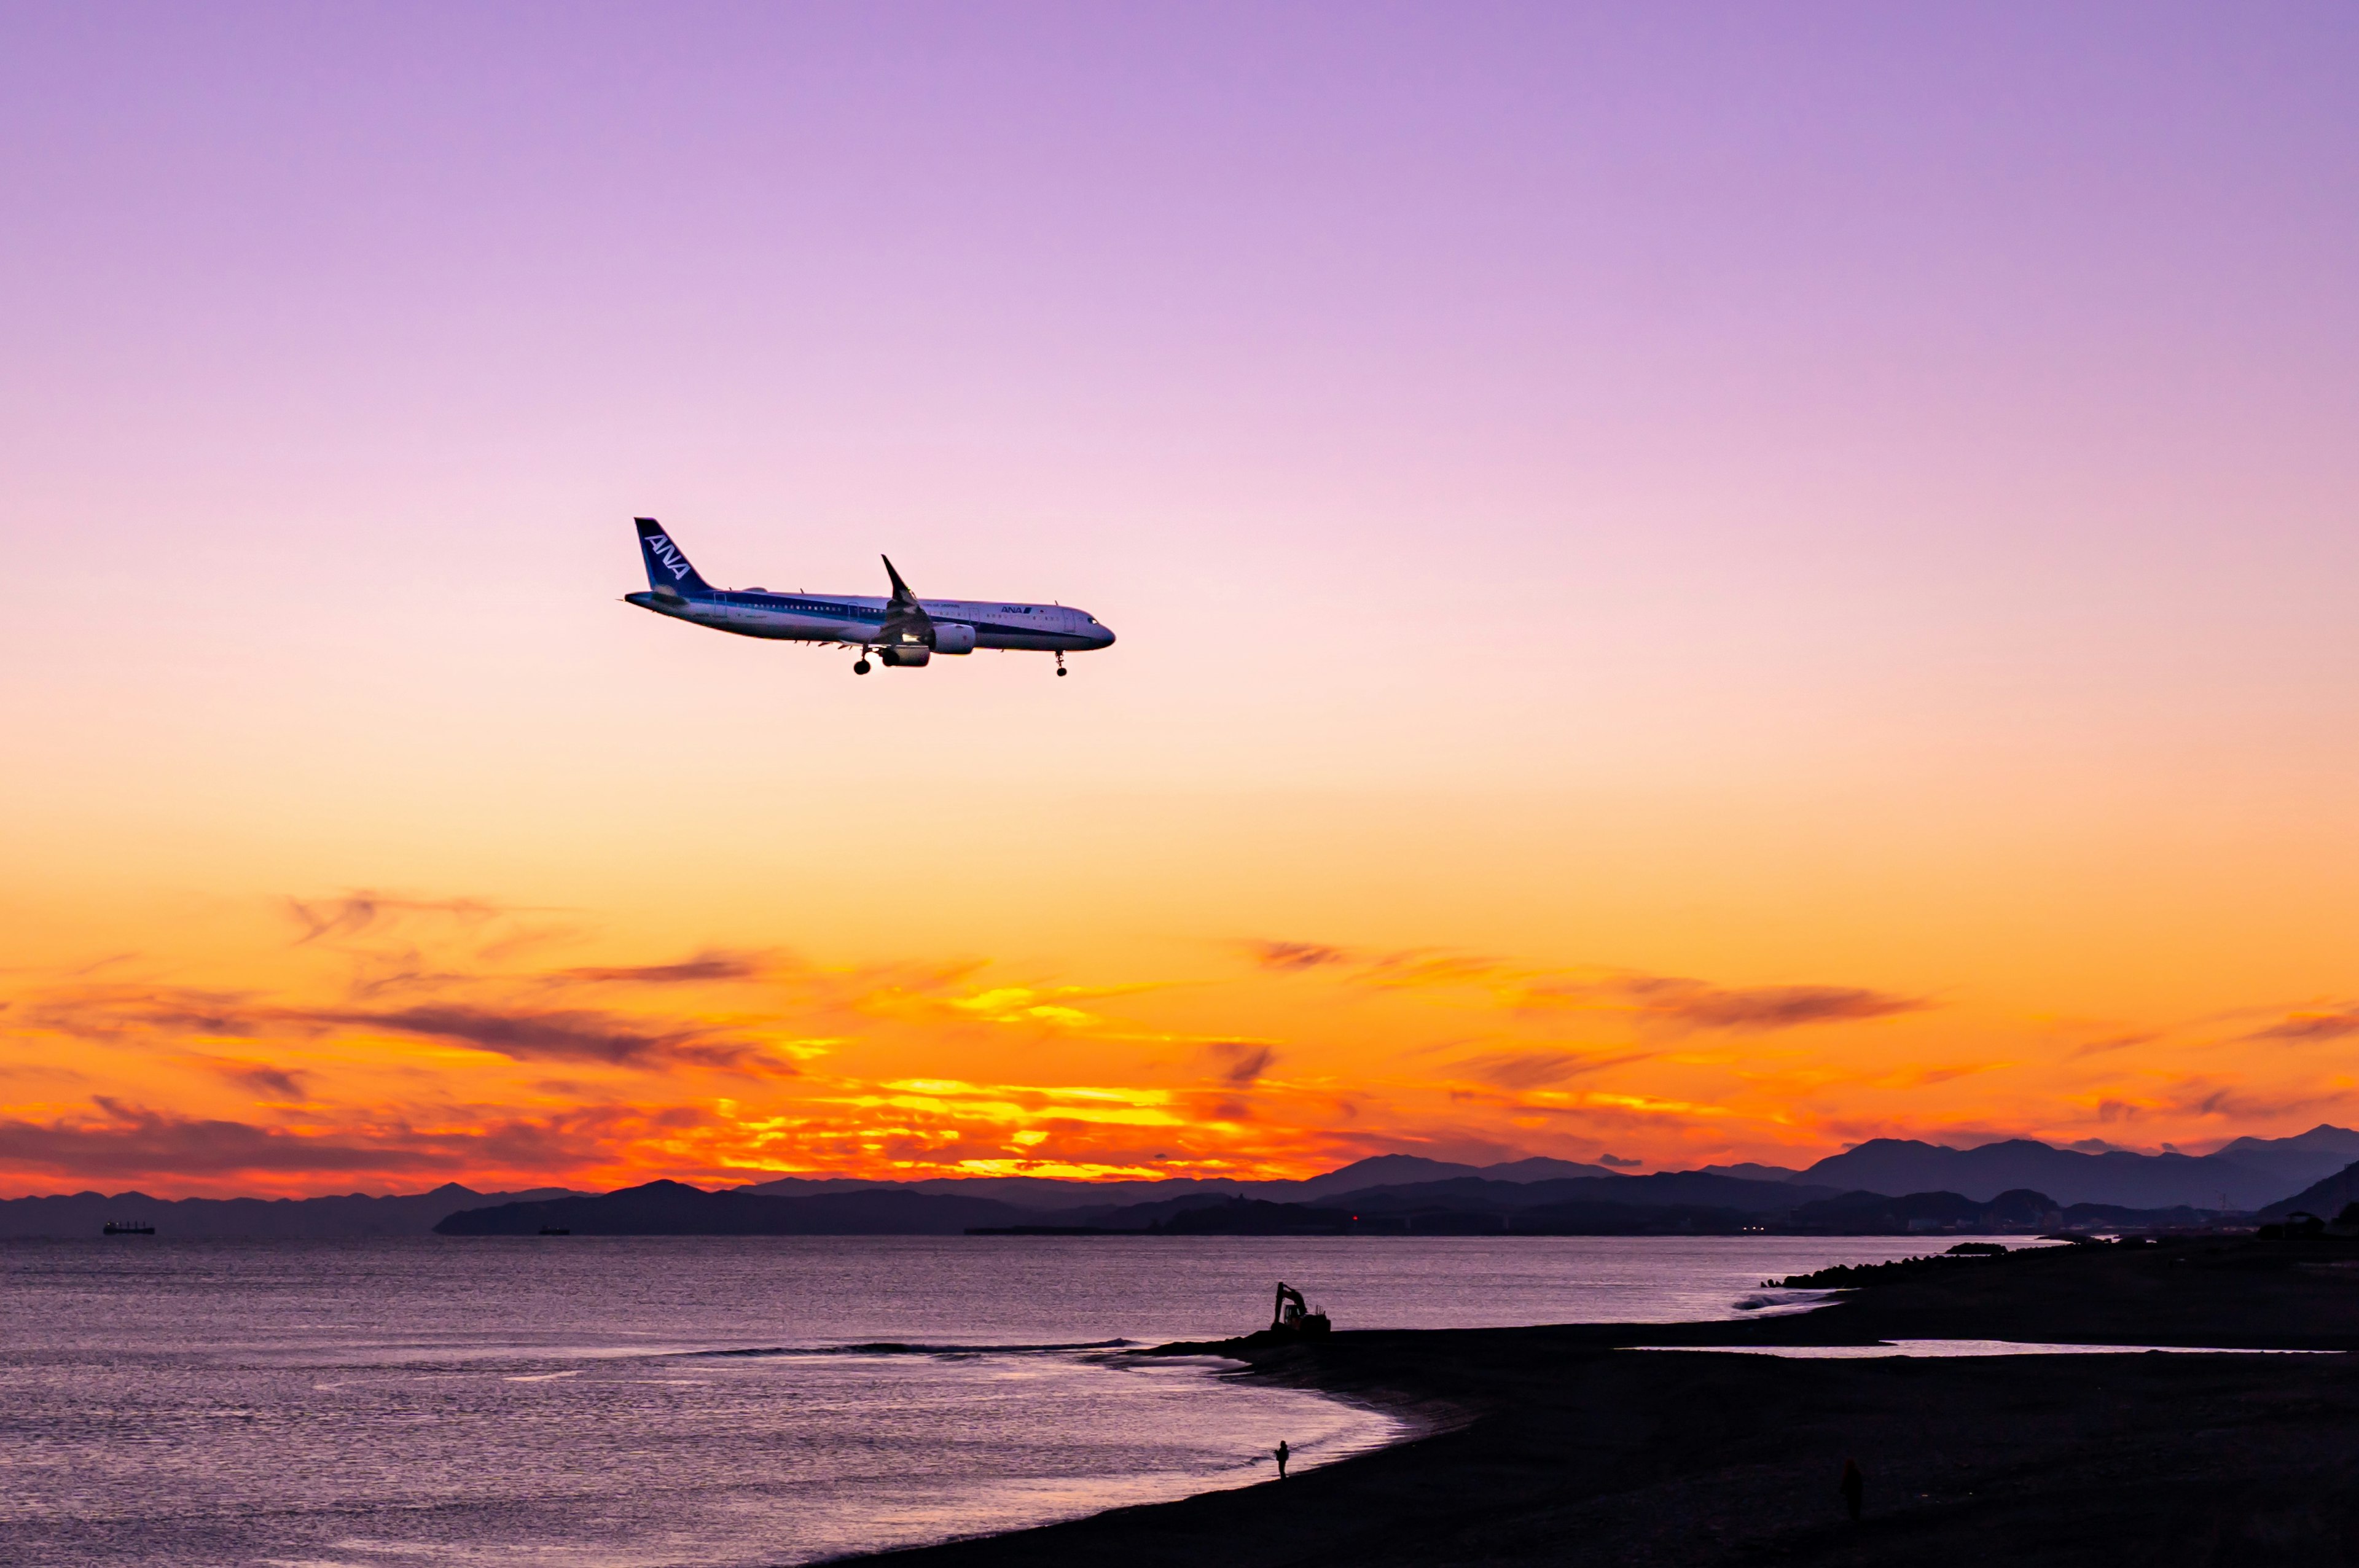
x: 903, y: 631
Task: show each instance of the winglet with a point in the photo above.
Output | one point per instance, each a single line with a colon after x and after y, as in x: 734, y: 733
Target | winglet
x: 905, y: 619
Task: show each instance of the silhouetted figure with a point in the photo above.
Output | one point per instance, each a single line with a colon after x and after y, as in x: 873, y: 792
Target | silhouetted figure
x: 1852, y: 1485
x: 1283, y: 1451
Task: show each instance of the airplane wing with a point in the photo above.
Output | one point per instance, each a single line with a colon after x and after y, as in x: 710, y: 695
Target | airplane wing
x: 905, y: 619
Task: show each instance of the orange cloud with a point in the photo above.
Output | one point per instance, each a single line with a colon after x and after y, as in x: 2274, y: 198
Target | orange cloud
x: 2334, y: 1025
x: 396, y: 1037
x: 1293, y: 958
x: 1535, y: 1069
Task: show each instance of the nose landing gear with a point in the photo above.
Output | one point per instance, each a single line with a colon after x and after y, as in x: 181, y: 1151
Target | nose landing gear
x: 1060, y: 661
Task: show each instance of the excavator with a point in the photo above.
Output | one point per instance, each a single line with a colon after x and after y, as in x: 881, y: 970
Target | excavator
x: 1292, y: 1314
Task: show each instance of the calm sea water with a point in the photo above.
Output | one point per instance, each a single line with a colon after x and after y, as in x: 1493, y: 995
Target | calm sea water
x: 597, y: 1402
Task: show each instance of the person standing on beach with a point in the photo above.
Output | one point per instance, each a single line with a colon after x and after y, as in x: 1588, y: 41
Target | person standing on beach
x: 1852, y: 1485
x: 1283, y: 1451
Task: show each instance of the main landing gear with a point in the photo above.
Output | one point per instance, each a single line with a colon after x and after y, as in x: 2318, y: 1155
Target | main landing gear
x: 1060, y: 661
x: 859, y: 666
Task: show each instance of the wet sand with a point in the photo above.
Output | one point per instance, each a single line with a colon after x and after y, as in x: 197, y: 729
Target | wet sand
x: 1562, y: 1445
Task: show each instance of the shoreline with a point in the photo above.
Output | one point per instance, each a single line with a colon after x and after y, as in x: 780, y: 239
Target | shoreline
x: 1570, y: 1445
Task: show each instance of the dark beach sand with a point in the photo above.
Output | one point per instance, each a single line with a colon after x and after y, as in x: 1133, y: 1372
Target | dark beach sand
x: 1556, y: 1446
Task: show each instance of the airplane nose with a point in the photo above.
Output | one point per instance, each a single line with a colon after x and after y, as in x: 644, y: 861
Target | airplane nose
x: 1105, y: 637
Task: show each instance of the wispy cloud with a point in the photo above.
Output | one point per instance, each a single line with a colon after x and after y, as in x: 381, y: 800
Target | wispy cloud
x: 1537, y: 1069
x: 1677, y: 1004
x: 2112, y: 1042
x: 576, y: 1034
x: 2334, y: 1023
x: 132, y: 1140
x: 364, y: 910
x: 1429, y: 968
x: 1242, y: 1061
x: 127, y: 1012
x: 274, y: 1083
x: 1660, y: 1003
x: 1293, y: 958
x: 712, y: 966
x: 121, y: 1138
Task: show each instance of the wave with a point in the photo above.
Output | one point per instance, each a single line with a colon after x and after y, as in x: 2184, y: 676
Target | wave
x: 1784, y: 1303
x: 896, y: 1347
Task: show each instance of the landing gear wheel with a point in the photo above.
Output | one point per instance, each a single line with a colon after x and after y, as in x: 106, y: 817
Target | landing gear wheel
x: 1061, y: 664
x: 860, y: 666
x: 1062, y: 670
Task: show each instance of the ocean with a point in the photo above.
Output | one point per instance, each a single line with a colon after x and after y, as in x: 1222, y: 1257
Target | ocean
x: 698, y: 1402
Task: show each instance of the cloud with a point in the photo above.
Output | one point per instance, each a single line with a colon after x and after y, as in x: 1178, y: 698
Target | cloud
x: 712, y: 965
x: 2115, y: 1042
x: 2308, y: 1026
x: 126, y: 1139
x: 1535, y: 1069
x: 1618, y: 1163
x: 114, y: 1012
x: 276, y: 1083
x: 365, y: 909
x: 1918, y: 1077
x: 1421, y: 968
x: 132, y: 1140
x: 1242, y: 1061
x: 117, y: 1013
x: 1679, y: 1004
x: 1657, y: 1001
x: 572, y: 1035
x: 1293, y: 958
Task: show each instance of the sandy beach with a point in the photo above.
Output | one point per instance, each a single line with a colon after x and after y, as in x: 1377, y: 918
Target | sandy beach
x: 1571, y: 1445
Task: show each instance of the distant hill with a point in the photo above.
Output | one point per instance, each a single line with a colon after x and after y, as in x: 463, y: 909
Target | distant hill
x: 2021, y: 1212
x: 2259, y: 1173
x: 76, y: 1215
x: 1258, y: 1216
x: 1024, y: 1192
x: 2323, y: 1198
x: 2251, y: 1172
x: 1872, y: 1214
x: 1663, y: 1188
x: 1395, y: 1170
x: 2297, y: 1161
x: 674, y: 1208
x: 1046, y: 1195
x: 1752, y: 1172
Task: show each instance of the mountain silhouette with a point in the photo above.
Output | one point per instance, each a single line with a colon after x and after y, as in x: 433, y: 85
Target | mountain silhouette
x: 2261, y: 1172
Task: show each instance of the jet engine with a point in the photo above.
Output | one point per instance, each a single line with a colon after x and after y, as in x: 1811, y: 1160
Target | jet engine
x: 905, y: 659
x: 950, y: 637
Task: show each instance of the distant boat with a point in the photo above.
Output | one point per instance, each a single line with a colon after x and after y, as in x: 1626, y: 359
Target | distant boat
x: 128, y: 1227
x: 555, y: 1230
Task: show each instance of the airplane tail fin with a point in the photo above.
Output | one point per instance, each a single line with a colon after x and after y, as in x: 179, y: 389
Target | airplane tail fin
x: 667, y: 570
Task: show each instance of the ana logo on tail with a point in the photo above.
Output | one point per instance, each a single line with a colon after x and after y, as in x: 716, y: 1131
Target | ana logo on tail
x: 659, y: 546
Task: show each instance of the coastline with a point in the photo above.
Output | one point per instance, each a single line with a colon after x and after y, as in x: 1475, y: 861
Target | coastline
x: 1569, y: 1445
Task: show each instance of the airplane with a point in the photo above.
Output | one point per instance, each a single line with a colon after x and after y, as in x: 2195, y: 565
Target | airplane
x: 903, y: 631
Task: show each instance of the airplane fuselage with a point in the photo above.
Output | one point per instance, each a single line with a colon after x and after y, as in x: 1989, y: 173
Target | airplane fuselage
x: 859, y: 620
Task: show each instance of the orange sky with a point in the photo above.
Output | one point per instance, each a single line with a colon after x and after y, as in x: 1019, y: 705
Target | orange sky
x: 377, y: 1041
